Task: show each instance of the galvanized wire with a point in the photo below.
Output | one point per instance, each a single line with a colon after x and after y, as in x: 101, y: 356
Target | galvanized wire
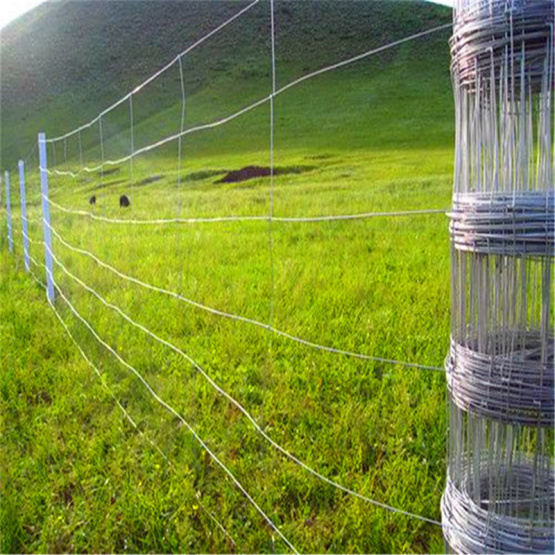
x: 492, y: 35
x: 500, y: 487
x: 491, y: 530
x: 520, y: 224
x: 501, y: 386
x: 500, y: 369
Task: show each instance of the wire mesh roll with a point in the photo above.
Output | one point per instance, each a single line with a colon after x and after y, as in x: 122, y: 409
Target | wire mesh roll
x: 499, y: 494
x: 503, y: 77
x: 500, y: 369
x: 491, y: 36
x: 516, y: 389
x: 499, y: 526
x: 502, y: 307
x: 520, y: 224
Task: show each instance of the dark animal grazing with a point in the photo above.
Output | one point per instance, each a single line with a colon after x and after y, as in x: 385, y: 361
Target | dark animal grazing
x: 124, y: 201
x: 92, y: 200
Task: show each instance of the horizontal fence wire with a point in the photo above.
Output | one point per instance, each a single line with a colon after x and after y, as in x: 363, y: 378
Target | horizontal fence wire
x: 225, y: 394
x: 258, y: 218
x: 34, y: 275
x: 31, y: 240
x: 236, y: 316
x: 126, y: 414
x: 110, y: 391
x: 157, y: 74
x: 173, y: 411
x: 240, y: 112
x: 130, y: 419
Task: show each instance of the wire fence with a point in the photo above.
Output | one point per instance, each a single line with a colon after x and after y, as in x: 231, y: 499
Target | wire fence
x: 500, y: 370
x: 116, y: 162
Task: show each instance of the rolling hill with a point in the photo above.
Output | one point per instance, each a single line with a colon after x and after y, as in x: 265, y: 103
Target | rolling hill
x: 65, y: 61
x: 359, y: 306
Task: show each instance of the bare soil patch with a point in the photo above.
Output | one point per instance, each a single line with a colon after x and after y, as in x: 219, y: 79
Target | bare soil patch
x: 109, y: 171
x: 254, y: 172
x: 150, y: 179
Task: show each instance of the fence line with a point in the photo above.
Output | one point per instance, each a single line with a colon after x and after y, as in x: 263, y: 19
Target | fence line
x: 364, y: 55
x: 163, y: 141
x: 246, y: 109
x: 236, y: 316
x: 259, y: 218
x: 118, y: 403
x: 31, y: 240
x: 157, y: 74
x: 237, y: 404
x: 173, y: 411
x: 37, y: 279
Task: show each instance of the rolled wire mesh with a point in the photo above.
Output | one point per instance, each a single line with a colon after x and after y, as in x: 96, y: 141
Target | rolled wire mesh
x: 504, y: 223
x: 500, y: 369
x: 501, y: 359
x: 500, y: 487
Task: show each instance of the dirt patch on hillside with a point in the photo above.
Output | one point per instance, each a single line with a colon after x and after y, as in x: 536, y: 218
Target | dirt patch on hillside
x: 149, y: 180
x: 254, y: 172
x: 104, y: 173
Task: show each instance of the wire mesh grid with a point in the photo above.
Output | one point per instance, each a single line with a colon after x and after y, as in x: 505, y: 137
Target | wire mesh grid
x: 500, y: 481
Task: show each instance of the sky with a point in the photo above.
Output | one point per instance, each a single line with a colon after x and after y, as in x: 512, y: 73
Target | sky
x: 11, y: 10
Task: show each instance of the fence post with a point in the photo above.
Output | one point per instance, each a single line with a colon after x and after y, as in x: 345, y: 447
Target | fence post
x: 46, y: 217
x: 9, y: 210
x: 24, y: 225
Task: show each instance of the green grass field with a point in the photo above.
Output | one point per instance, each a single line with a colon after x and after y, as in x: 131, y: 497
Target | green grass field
x: 78, y: 476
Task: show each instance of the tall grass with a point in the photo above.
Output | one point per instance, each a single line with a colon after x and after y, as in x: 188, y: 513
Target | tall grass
x: 78, y: 477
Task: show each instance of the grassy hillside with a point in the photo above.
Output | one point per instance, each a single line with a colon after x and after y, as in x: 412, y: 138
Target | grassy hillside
x: 66, y: 60
x: 375, y: 136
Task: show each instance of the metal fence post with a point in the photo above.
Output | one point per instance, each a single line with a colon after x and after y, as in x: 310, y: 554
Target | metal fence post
x: 46, y: 217
x: 24, y: 225
x: 9, y: 210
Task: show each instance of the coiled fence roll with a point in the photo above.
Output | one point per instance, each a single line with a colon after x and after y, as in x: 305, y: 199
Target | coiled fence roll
x: 519, y: 224
x: 481, y: 522
x: 499, y: 495
x: 492, y: 36
x: 515, y: 387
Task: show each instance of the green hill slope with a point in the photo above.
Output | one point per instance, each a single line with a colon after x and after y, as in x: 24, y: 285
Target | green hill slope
x: 65, y: 61
x: 373, y: 136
